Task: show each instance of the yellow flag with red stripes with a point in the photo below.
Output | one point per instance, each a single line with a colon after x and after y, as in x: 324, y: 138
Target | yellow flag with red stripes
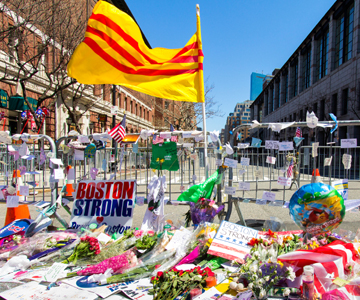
x: 114, y: 52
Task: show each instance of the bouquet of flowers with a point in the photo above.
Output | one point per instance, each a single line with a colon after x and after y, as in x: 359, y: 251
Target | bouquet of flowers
x: 88, y: 246
x: 204, y: 210
x: 169, y: 285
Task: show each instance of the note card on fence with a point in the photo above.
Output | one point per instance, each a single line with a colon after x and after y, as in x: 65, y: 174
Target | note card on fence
x: 284, y: 181
x: 286, y: 146
x: 315, y: 147
x: 257, y: 173
x: 243, y: 145
x: 24, y: 190
x: 218, y: 162
x: 272, y: 144
x: 79, y: 155
x: 346, y: 160
x: 230, y: 190
x: 268, y: 196
x: 232, y: 163
x: 12, y: 201
x: 245, y: 161
x: 244, y: 186
x: 271, y: 160
x: 348, y: 143
x: 327, y: 161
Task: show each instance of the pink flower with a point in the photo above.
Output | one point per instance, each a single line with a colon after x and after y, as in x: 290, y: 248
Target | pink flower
x: 212, y: 202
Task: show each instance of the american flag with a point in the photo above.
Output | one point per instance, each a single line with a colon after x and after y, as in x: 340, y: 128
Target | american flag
x: 331, y: 259
x: 157, y: 139
x: 118, y: 132
x: 298, y: 132
x: 174, y: 138
x: 290, y: 169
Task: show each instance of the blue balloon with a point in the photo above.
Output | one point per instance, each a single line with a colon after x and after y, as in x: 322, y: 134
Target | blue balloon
x: 317, y: 208
x: 231, y: 132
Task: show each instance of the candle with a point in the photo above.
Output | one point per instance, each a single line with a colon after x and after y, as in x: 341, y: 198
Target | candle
x: 194, y: 293
x: 210, y: 281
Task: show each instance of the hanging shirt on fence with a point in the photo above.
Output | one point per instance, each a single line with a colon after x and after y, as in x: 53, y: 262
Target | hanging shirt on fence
x: 164, y: 157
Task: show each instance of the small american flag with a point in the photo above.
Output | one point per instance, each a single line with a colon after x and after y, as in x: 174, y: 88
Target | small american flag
x: 298, y: 132
x: 290, y: 169
x: 157, y: 139
x: 174, y: 138
x: 118, y: 132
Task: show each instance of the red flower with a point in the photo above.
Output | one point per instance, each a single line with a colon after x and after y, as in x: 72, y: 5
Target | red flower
x: 160, y: 274
x: 253, y: 242
x: 271, y: 233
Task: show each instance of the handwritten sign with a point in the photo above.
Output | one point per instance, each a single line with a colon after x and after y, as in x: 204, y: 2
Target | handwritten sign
x: 245, y: 161
x: 165, y: 135
x: 268, y: 196
x: 272, y: 144
x: 230, y: 190
x: 140, y: 201
x: 284, y: 181
x: 244, y: 186
x: 232, y: 163
x: 348, y: 143
x: 186, y: 135
x: 242, y: 171
x: 257, y: 173
x: 180, y: 238
x: 261, y: 202
x: 346, y: 160
x: 271, y: 160
x: 327, y: 161
x: 218, y: 162
x: 286, y: 146
x: 194, y: 177
x: 231, y: 241
x: 314, y: 148
x: 243, y: 145
x: 54, y: 272
x: 58, y: 174
x: 12, y: 201
x: 24, y: 190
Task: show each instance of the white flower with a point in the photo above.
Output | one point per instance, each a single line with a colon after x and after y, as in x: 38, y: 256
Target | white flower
x: 239, y: 287
x: 260, y: 281
x: 253, y: 268
x: 250, y: 285
x: 256, y: 254
x: 292, y: 274
x: 272, y: 252
x: 267, y: 278
x: 286, y: 292
x: 233, y: 285
x: 262, y: 293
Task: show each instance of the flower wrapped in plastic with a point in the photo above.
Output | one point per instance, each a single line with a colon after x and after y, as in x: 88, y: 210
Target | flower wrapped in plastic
x: 88, y: 246
x: 204, y: 210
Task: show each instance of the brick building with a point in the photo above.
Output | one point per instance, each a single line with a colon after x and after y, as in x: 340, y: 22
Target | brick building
x: 92, y: 107
x: 322, y: 75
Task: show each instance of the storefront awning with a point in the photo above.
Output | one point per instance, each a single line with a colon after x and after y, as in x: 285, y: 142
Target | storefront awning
x: 18, y: 103
x: 3, y: 98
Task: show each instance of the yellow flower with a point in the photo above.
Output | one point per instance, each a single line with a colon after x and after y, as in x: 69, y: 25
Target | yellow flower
x: 208, y: 243
x: 162, y: 160
x: 280, y: 263
x: 157, y: 159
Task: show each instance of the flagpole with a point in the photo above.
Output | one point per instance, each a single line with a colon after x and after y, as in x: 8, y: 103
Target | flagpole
x: 201, y: 96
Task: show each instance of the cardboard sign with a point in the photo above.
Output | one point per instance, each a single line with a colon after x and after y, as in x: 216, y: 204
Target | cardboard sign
x: 272, y: 145
x: 258, y: 173
x: 243, y: 145
x: 284, y: 181
x: 342, y: 186
x: 286, y: 146
x: 268, y: 196
x: 271, y: 160
x: 244, y: 186
x: 104, y: 202
x: 232, y: 163
x: 245, y: 161
x: 15, y: 227
x: 348, y: 143
x: 231, y: 241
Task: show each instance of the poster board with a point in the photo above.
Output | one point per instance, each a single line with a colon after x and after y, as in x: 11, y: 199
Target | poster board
x: 104, y: 202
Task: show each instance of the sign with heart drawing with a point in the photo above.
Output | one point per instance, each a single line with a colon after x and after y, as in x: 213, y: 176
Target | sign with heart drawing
x: 104, y: 202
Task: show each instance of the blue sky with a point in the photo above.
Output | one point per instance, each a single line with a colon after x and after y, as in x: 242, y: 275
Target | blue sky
x: 239, y: 37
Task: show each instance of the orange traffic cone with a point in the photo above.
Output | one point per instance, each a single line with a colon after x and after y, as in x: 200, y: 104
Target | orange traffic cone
x: 316, y: 177
x: 69, y: 186
x: 20, y: 212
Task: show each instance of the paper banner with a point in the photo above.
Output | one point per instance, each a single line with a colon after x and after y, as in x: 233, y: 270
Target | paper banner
x: 311, y: 119
x: 277, y: 127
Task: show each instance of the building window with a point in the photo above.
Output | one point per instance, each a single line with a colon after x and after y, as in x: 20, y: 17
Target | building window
x: 125, y: 104
x: 322, y: 110
x: 334, y: 104
x: 166, y: 105
x: 286, y: 96
x: 306, y: 67
x: 294, y: 77
x: 273, y: 98
x: 301, y: 115
x: 344, y: 36
x: 131, y: 106
x: 294, y: 117
x: 322, y: 55
x: 344, y: 101
x: 315, y: 106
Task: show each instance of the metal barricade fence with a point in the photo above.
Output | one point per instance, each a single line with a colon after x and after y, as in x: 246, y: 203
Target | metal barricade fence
x: 335, y: 170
